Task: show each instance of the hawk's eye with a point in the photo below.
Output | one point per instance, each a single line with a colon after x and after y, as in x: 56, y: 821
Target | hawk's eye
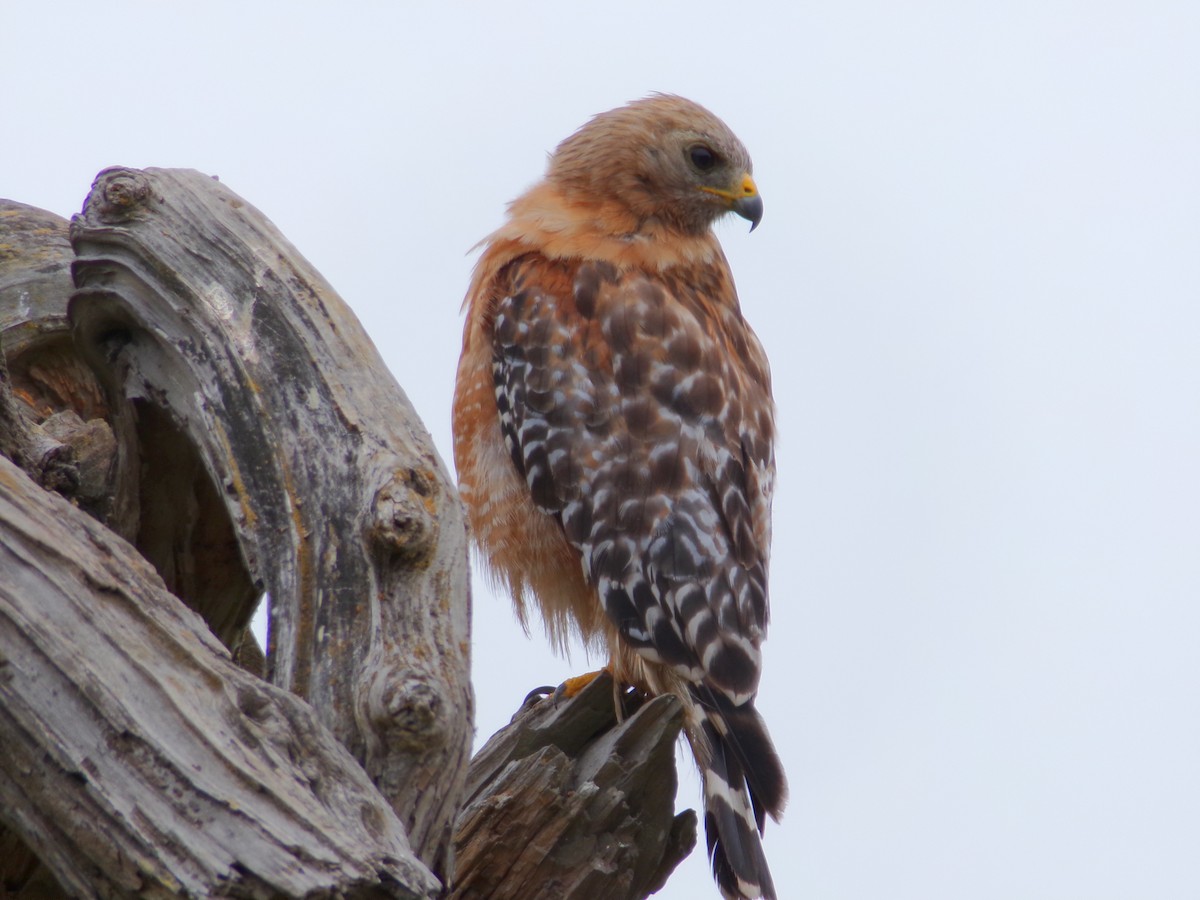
x: 702, y: 157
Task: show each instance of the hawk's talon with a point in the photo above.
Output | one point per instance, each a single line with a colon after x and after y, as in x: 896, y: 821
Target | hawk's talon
x: 537, y: 694
x: 574, y: 686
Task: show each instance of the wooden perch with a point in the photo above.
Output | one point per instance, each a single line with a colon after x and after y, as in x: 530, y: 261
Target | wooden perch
x: 567, y: 802
x: 137, y: 759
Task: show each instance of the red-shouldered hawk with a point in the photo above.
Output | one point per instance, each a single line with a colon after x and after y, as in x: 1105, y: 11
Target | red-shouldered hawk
x: 613, y: 433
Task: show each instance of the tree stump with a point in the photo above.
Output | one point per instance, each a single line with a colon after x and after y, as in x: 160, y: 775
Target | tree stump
x: 192, y: 420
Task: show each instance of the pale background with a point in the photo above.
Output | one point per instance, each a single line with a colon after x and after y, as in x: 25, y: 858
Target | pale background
x: 978, y: 279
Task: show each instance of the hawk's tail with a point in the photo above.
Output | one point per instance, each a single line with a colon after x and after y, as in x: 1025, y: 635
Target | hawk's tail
x: 743, y: 783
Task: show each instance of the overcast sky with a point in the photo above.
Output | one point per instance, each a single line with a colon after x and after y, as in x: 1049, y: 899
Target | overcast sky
x: 978, y: 279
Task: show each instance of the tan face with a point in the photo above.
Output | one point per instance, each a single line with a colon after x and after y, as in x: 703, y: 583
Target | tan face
x: 663, y: 159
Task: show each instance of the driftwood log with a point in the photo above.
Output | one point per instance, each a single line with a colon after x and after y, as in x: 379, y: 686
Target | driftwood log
x: 218, y: 429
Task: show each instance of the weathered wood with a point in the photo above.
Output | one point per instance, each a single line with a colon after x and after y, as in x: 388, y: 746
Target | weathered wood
x: 221, y: 347
x: 567, y: 802
x: 136, y: 759
x: 246, y: 438
x: 50, y: 404
x: 53, y: 410
x: 41, y: 430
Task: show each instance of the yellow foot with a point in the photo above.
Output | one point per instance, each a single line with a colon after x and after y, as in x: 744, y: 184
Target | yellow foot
x: 573, y: 686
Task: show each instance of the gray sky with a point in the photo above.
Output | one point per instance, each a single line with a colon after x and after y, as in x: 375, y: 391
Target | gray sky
x: 978, y: 279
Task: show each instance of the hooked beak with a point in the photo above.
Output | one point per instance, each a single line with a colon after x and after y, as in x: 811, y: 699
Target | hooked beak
x: 745, y: 201
x: 749, y: 208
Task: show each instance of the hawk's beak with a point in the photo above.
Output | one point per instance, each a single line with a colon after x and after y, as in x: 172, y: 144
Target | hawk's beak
x: 749, y: 207
x: 745, y: 201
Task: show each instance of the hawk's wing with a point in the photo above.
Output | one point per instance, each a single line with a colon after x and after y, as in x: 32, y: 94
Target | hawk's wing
x: 639, y: 413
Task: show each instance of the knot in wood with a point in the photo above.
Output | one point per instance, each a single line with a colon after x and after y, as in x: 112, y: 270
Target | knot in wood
x: 57, y: 466
x: 93, y: 455
x: 405, y: 515
x: 407, y: 710
x: 121, y: 191
x: 253, y: 702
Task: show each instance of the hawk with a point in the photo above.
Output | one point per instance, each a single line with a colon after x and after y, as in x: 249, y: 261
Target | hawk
x: 613, y: 435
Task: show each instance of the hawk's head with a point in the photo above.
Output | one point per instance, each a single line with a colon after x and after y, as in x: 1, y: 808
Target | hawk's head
x: 664, y: 160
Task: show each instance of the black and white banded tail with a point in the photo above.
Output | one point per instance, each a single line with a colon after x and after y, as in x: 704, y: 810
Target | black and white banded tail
x: 743, y: 784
